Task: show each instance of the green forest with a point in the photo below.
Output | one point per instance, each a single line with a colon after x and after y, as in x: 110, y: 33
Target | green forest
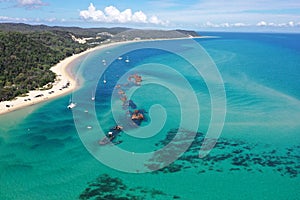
x: 29, y: 51
x: 26, y: 58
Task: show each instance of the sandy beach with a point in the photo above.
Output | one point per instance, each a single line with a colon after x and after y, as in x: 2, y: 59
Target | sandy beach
x: 65, y: 82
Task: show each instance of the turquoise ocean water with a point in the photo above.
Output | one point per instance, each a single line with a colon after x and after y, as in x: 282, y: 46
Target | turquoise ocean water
x: 50, y: 152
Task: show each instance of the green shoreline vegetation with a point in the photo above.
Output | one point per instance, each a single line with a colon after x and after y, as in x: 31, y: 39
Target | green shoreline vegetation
x: 29, y: 51
x: 26, y: 59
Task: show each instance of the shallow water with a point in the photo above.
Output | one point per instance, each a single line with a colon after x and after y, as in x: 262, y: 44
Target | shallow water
x: 42, y: 148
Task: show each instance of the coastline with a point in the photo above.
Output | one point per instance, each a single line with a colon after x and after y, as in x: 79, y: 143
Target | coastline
x: 64, y: 84
x: 65, y: 81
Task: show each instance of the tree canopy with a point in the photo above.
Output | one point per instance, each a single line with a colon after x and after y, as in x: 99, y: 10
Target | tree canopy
x: 26, y: 59
x: 29, y: 51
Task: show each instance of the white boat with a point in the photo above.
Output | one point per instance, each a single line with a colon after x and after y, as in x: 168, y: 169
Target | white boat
x: 127, y: 60
x: 72, y: 105
x: 93, y: 97
x: 104, y: 79
x: 120, y: 58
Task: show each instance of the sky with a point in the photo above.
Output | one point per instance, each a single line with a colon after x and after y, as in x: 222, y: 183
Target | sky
x: 233, y: 15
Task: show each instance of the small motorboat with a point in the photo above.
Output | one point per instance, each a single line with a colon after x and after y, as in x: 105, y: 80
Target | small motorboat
x: 112, y: 134
x: 107, y: 139
x: 104, y: 79
x: 71, y: 105
x: 93, y: 97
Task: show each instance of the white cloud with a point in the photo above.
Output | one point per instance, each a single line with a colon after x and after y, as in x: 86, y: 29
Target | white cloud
x: 12, y: 19
x: 272, y: 24
x: 261, y: 23
x: 234, y: 11
x: 224, y: 25
x: 29, y: 20
x: 92, y: 13
x: 209, y: 24
x: 30, y: 3
x: 139, y: 17
x: 53, y: 19
x: 239, y: 24
x: 113, y: 15
x: 291, y: 24
x: 155, y: 20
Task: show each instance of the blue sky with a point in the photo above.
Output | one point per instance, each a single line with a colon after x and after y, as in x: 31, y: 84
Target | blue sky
x: 165, y: 14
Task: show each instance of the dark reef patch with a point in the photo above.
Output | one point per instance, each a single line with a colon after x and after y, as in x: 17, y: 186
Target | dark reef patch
x: 109, y: 188
x: 227, y: 156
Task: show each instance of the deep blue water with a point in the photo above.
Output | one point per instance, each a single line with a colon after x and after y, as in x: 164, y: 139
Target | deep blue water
x: 50, y: 152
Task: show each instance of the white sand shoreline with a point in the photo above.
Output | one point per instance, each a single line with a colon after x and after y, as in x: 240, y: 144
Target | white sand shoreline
x: 65, y: 82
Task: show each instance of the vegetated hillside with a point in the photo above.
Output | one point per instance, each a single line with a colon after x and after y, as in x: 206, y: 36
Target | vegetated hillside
x: 26, y: 58
x: 29, y: 51
x: 153, y: 34
x: 189, y: 33
x: 77, y: 31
